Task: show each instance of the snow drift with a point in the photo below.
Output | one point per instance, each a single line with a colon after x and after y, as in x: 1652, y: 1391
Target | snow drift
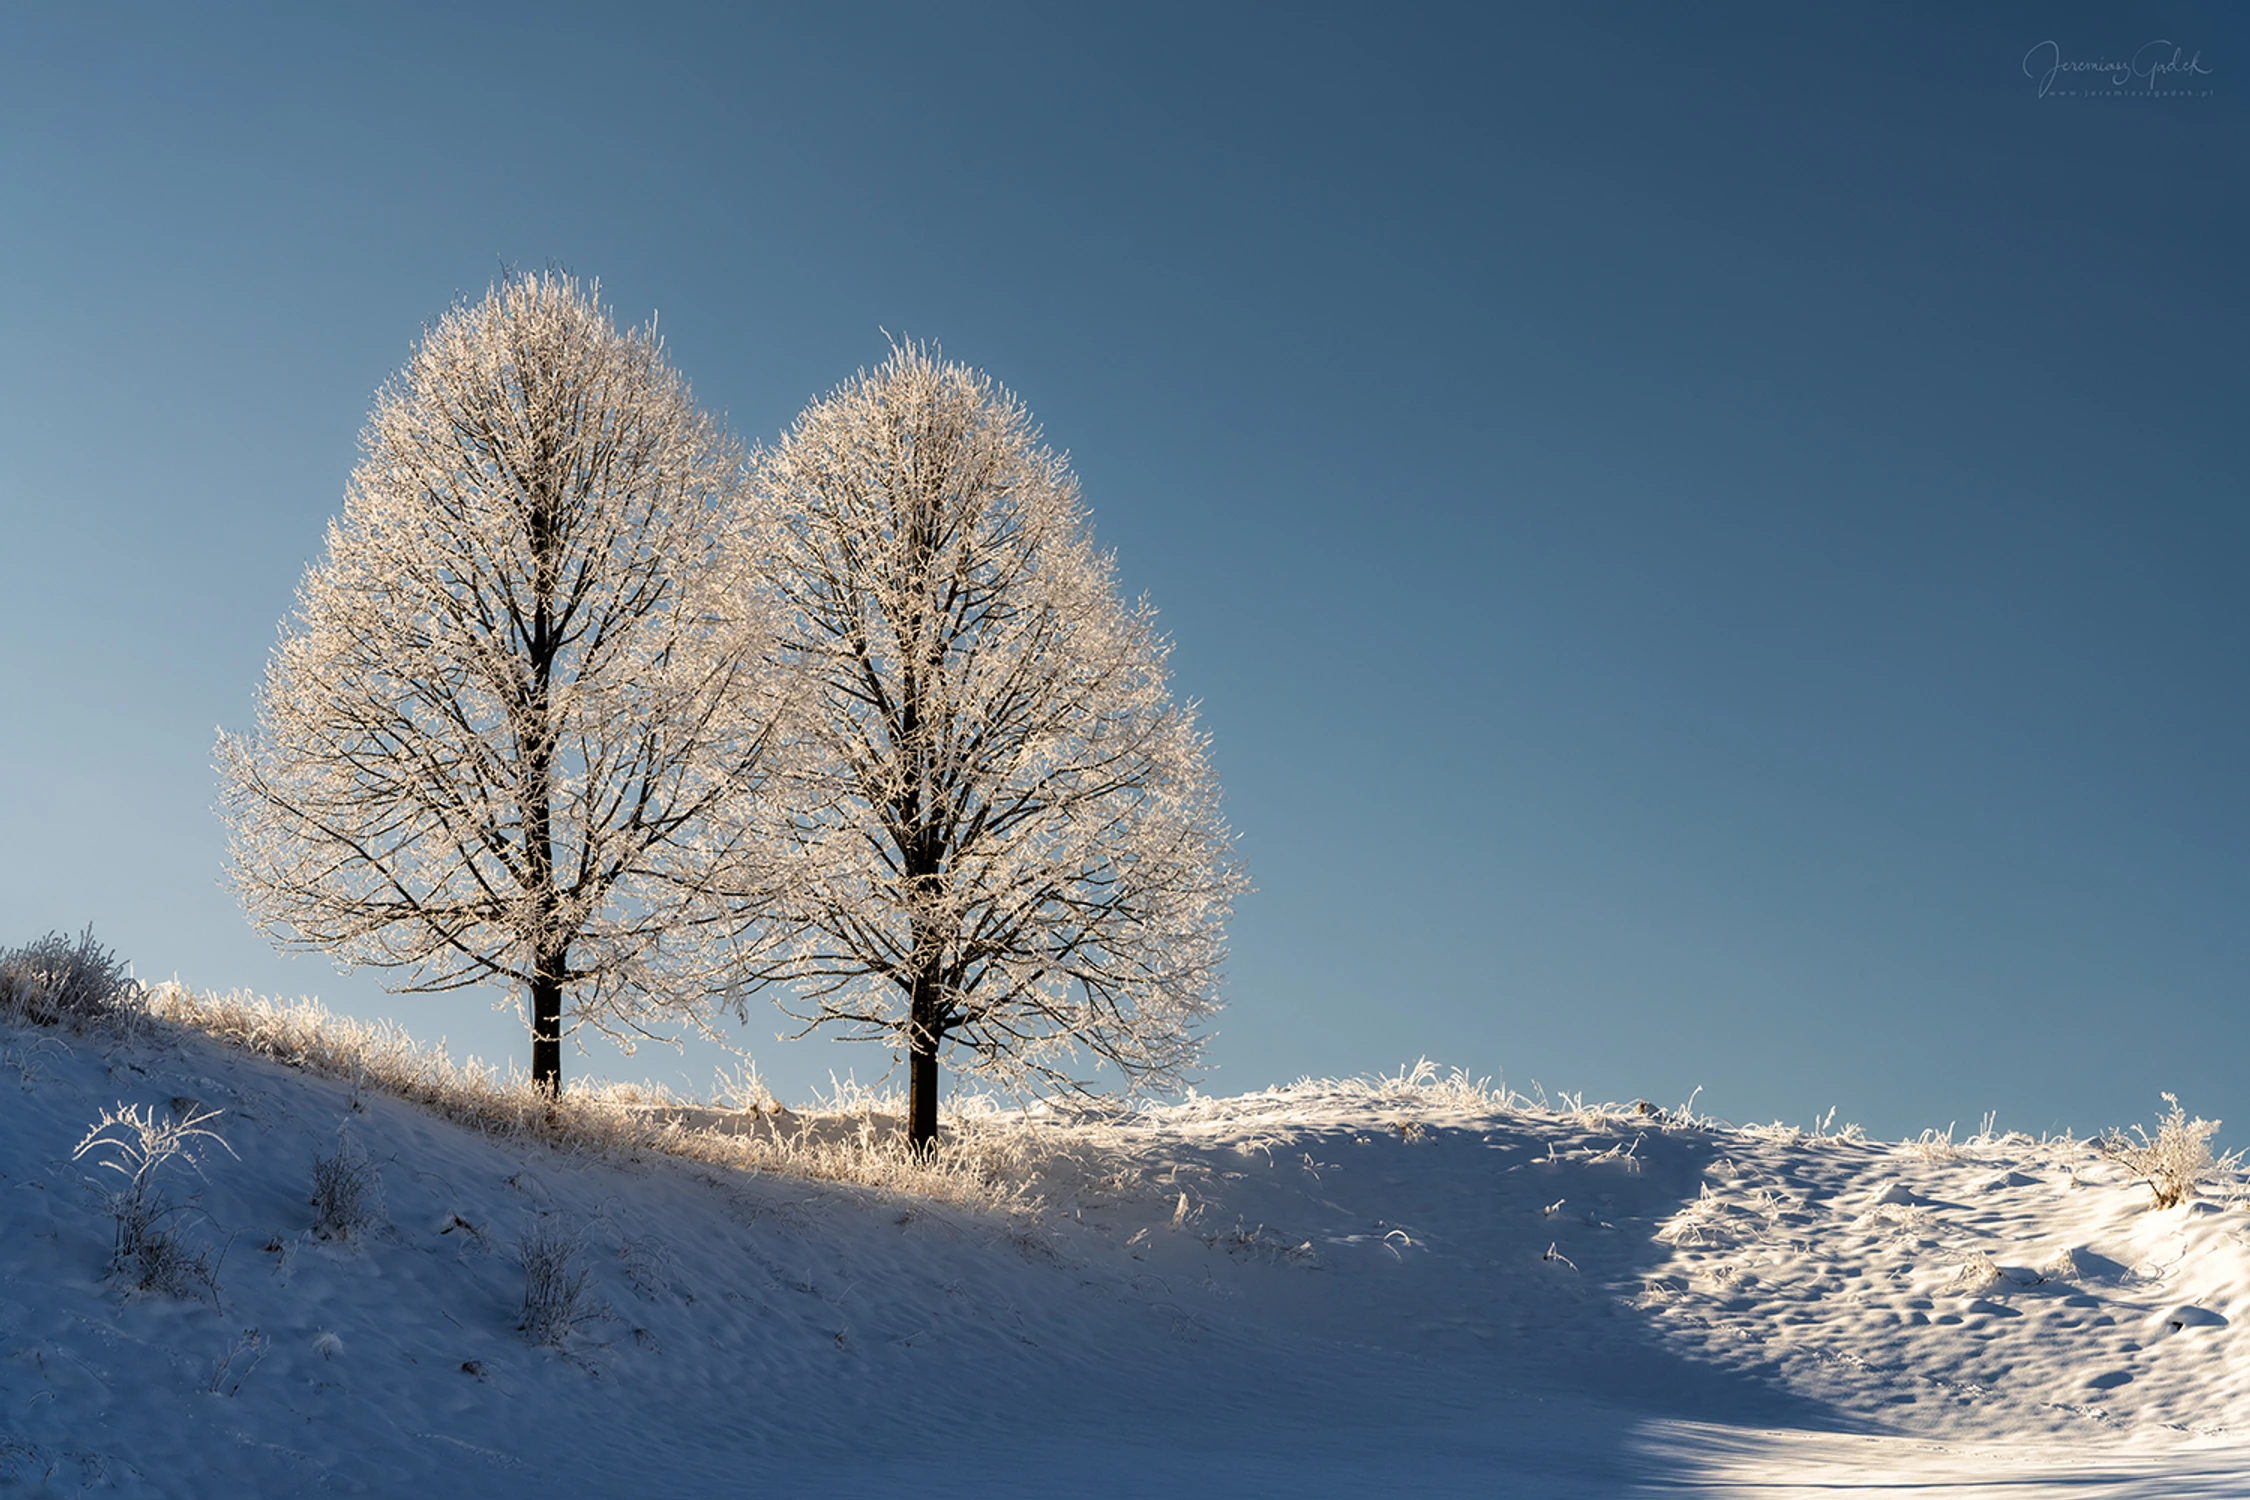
x: 1414, y: 1282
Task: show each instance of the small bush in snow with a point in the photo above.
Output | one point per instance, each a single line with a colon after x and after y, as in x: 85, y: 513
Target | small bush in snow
x: 347, y: 1194
x: 558, y: 1290
x: 2174, y: 1161
x: 137, y: 1144
x: 58, y: 981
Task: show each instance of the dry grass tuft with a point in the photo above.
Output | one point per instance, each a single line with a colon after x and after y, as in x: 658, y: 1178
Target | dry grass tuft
x: 70, y: 984
x: 139, y: 1145
x: 983, y: 1162
x: 558, y: 1288
x: 347, y: 1195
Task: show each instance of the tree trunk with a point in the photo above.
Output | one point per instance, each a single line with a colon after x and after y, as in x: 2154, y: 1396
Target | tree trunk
x: 921, y: 1067
x: 550, y: 958
x: 921, y: 1097
x: 546, y: 1029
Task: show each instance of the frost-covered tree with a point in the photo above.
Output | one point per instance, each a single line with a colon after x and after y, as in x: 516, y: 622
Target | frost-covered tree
x: 516, y: 727
x: 1009, y: 834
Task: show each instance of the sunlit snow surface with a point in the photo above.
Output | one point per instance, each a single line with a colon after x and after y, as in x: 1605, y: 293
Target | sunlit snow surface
x: 1323, y: 1290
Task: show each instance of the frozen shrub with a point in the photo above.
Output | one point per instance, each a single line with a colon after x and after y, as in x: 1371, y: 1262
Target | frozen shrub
x: 137, y: 1143
x: 2174, y: 1161
x: 558, y: 1290
x: 347, y: 1194
x: 58, y: 981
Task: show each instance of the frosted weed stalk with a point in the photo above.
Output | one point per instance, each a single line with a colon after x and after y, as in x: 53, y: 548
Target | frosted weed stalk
x: 26, y: 1061
x: 1932, y: 1146
x: 234, y: 1366
x: 1418, y: 1089
x: 1696, y: 1223
x: 648, y: 1265
x: 137, y: 1144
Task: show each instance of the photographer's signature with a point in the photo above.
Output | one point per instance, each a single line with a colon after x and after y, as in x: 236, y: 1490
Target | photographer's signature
x: 2162, y: 66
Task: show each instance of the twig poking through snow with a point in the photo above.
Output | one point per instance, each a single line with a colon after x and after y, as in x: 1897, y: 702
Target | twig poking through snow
x: 235, y: 1365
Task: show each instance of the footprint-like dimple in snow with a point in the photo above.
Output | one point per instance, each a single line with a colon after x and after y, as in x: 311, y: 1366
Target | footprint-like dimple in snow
x: 2110, y: 1380
x: 1980, y: 1308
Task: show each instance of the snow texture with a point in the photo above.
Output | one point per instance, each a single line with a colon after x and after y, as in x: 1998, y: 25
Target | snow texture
x: 1410, y: 1284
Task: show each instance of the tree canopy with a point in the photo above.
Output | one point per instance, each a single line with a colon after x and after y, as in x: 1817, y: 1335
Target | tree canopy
x: 1007, y: 833
x: 518, y: 728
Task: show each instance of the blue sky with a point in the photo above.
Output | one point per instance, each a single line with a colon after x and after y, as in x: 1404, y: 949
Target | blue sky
x: 1714, y: 543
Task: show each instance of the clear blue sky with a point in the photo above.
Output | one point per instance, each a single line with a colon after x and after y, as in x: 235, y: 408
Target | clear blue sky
x: 1714, y: 542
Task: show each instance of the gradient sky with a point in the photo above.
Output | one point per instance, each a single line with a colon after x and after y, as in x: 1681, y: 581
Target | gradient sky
x: 1714, y: 542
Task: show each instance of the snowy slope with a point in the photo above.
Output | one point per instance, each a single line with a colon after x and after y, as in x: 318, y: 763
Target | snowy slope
x: 1320, y: 1290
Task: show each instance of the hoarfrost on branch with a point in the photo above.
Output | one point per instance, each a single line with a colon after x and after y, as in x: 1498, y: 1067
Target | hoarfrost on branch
x: 516, y: 733
x: 1008, y: 837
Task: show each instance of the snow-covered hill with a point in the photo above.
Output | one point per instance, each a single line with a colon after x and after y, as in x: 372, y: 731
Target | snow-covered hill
x: 1408, y: 1286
